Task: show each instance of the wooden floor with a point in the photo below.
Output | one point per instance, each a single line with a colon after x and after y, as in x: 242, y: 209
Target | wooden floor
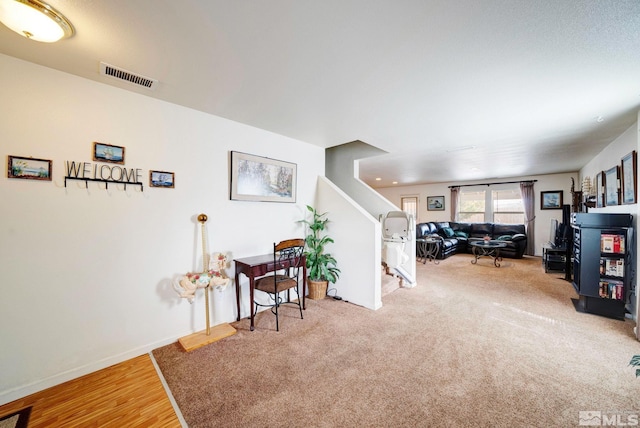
x: 129, y: 394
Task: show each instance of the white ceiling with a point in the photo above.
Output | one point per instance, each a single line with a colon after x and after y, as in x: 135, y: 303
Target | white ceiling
x: 519, y: 83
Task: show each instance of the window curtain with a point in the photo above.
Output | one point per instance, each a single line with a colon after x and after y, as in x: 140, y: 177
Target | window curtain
x: 455, y: 199
x: 528, y: 200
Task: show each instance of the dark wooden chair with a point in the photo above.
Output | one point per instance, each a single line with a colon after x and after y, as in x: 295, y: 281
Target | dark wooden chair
x: 287, y: 260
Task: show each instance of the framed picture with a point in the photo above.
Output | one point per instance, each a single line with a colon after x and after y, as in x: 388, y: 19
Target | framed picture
x: 108, y: 153
x: 551, y: 200
x: 612, y: 186
x: 256, y: 178
x: 435, y: 203
x: 598, y: 185
x: 629, y: 178
x: 162, y: 179
x: 29, y: 168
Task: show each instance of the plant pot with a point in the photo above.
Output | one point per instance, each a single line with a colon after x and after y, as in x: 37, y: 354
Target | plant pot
x: 317, y: 289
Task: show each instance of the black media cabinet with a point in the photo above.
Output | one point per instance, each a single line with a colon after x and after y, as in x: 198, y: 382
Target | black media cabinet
x: 602, y: 256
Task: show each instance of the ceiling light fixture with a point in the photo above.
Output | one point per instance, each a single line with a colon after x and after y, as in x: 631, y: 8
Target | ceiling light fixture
x: 35, y: 20
x: 460, y: 149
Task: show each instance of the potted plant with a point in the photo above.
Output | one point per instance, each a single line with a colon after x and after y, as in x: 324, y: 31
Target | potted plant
x: 635, y: 361
x: 321, y: 266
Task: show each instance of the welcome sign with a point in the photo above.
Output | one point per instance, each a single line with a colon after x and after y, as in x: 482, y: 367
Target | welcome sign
x: 103, y: 172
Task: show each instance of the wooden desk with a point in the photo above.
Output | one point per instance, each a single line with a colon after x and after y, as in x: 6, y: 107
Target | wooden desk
x: 257, y: 266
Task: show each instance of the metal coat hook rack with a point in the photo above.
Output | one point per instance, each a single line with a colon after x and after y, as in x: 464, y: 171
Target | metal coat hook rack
x: 100, y: 180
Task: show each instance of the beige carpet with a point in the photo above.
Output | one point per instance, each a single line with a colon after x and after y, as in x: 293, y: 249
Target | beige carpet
x: 19, y: 419
x: 471, y: 345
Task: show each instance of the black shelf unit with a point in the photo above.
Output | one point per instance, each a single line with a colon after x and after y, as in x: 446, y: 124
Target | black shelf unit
x: 554, y: 258
x: 602, y: 257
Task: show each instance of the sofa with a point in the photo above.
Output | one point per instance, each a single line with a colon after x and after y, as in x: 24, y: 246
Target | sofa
x: 455, y: 237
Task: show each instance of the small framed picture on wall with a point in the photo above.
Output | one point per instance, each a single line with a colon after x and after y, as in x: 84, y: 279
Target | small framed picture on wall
x: 599, y: 189
x: 435, y: 203
x: 629, y: 178
x: 612, y: 186
x: 108, y: 153
x: 551, y: 200
x: 29, y: 168
x: 162, y: 179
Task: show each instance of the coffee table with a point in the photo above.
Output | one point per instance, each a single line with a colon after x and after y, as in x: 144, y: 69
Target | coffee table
x: 489, y: 249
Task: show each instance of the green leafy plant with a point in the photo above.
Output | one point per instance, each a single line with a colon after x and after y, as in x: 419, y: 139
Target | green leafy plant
x: 321, y: 266
x: 635, y: 361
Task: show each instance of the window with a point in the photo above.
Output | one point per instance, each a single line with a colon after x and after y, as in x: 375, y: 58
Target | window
x: 409, y: 204
x: 502, y: 205
x: 508, y: 207
x: 471, y: 206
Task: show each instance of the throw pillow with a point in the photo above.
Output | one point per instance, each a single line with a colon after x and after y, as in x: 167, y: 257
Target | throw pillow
x: 461, y: 234
x: 448, y: 232
x: 504, y: 238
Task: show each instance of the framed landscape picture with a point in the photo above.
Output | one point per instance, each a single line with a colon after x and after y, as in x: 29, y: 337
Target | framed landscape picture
x: 257, y: 178
x: 629, y: 178
x: 29, y: 168
x: 435, y: 203
x: 162, y: 179
x: 551, y: 200
x: 598, y: 185
x: 612, y: 186
x: 108, y: 153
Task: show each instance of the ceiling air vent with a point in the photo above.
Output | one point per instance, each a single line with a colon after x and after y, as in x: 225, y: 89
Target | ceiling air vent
x: 119, y: 73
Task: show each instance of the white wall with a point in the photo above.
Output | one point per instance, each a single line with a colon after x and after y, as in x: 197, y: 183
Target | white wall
x: 357, y: 244
x: 86, y: 273
x: 341, y: 167
x: 543, y: 217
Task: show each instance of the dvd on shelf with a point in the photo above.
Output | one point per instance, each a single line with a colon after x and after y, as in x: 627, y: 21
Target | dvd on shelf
x: 612, y: 243
x: 611, y: 289
x: 612, y: 267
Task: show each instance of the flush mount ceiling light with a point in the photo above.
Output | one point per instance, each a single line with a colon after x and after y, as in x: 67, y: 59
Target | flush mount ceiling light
x: 35, y: 20
x: 460, y: 149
